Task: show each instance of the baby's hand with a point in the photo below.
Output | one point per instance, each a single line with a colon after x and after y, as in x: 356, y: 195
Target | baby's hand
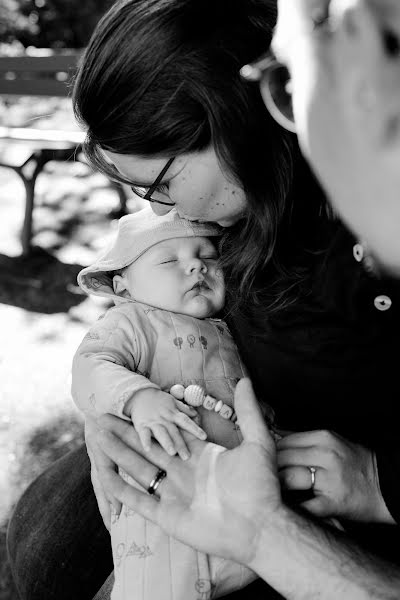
x: 158, y: 414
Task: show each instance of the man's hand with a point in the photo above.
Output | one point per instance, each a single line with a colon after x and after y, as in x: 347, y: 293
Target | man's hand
x: 106, y: 501
x: 218, y: 499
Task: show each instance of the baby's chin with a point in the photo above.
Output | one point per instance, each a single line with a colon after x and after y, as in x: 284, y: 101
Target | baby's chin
x: 200, y: 307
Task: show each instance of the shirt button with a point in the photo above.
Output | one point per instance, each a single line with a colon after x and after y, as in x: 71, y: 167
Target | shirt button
x: 358, y: 252
x: 382, y: 302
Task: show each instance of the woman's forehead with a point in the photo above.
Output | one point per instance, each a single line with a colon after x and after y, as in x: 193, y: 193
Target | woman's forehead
x: 135, y: 168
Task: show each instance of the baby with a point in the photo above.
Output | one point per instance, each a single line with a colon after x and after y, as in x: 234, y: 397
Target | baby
x: 163, y: 332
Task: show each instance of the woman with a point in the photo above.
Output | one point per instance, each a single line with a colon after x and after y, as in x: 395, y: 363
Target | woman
x: 304, y: 313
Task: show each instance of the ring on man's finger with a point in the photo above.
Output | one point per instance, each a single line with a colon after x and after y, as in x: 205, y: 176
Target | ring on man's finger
x: 313, y: 471
x: 155, y: 482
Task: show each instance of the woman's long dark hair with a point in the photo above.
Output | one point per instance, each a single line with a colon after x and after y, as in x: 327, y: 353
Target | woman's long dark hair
x: 161, y: 78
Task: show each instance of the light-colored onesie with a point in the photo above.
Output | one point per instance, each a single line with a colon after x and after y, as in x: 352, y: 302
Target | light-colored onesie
x: 135, y: 346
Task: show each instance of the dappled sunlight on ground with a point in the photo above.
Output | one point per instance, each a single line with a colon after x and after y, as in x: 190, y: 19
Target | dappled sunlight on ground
x: 44, y: 315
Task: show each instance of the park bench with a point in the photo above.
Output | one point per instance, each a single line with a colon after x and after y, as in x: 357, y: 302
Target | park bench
x: 28, y: 150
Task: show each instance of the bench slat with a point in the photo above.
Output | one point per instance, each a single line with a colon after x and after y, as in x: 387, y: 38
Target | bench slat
x: 51, y: 63
x: 34, y: 87
x: 41, y: 135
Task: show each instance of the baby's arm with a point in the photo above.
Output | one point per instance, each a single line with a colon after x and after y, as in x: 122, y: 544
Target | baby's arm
x: 157, y: 414
x: 105, y: 380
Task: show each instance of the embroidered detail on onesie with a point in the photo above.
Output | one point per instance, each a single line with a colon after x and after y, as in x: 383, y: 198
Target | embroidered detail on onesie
x: 114, y: 515
x: 128, y: 512
x: 191, y: 339
x: 119, y: 553
x: 203, y: 587
x: 139, y: 551
x: 220, y: 329
x: 178, y: 341
x: 203, y: 341
x: 92, y: 400
x: 91, y: 335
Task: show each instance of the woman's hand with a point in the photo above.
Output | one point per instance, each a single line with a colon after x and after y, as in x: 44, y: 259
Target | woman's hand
x: 217, y: 500
x: 106, y: 501
x: 346, y: 478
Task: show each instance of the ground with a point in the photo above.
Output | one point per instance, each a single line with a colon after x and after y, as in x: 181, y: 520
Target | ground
x: 43, y: 314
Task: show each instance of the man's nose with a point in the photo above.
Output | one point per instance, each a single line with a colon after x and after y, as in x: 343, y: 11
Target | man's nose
x: 160, y: 209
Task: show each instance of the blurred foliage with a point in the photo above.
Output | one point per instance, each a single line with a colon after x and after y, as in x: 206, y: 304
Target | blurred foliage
x: 50, y: 23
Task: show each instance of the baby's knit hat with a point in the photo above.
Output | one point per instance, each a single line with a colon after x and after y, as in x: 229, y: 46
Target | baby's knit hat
x: 136, y: 234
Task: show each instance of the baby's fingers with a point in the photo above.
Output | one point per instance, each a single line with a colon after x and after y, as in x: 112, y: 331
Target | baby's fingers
x: 185, y: 408
x: 162, y: 436
x: 178, y: 440
x: 184, y: 422
x: 145, y: 437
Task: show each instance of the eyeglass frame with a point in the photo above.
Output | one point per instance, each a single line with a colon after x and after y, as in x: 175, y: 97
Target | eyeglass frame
x: 260, y: 70
x: 154, y: 185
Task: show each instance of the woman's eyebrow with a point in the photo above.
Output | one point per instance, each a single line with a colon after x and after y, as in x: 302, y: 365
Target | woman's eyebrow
x: 167, y: 177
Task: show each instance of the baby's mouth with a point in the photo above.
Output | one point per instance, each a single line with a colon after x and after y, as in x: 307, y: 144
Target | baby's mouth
x: 199, y: 285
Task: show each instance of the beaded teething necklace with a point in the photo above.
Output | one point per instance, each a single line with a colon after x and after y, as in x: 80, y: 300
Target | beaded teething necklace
x: 195, y: 395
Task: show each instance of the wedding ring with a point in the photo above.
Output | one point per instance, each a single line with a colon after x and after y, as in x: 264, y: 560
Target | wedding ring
x: 154, y: 483
x: 312, y: 470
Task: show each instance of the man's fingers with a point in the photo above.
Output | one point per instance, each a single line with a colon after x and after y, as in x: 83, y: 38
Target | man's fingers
x: 133, y: 463
x: 250, y: 418
x: 142, y: 502
x: 129, y: 438
x: 101, y: 498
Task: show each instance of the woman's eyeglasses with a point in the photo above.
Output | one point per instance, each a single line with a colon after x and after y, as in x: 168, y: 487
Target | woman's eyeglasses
x: 275, y: 87
x: 148, y: 193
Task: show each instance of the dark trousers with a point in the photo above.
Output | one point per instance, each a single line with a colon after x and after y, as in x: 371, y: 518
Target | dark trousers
x: 59, y: 548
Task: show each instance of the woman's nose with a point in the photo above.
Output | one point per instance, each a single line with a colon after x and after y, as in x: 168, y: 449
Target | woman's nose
x: 160, y: 209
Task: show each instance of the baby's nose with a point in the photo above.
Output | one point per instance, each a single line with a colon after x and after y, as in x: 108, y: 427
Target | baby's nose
x: 197, y: 265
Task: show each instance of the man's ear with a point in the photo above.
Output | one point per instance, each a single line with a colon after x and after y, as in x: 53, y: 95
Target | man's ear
x: 119, y: 286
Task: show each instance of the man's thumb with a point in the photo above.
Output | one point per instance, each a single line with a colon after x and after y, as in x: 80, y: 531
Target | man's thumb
x: 250, y: 417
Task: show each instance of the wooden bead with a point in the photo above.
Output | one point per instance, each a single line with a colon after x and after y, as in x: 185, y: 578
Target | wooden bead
x: 177, y: 391
x: 234, y: 418
x: 218, y: 406
x: 226, y: 411
x: 194, y: 395
x: 209, y: 403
